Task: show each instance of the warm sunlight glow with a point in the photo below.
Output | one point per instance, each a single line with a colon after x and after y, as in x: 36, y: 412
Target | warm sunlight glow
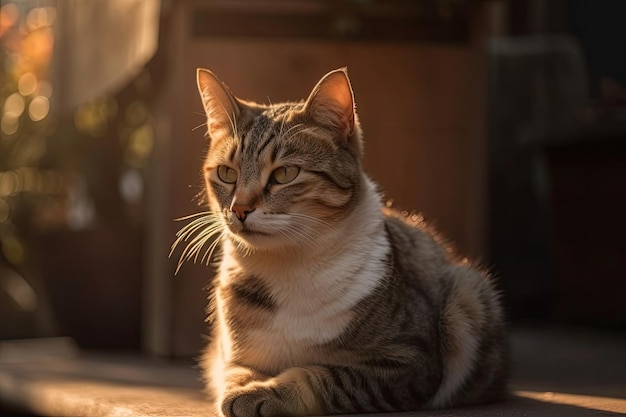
x: 591, y: 402
x: 9, y: 13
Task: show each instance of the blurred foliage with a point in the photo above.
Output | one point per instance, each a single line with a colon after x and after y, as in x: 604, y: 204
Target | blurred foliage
x: 26, y: 47
x: 62, y: 172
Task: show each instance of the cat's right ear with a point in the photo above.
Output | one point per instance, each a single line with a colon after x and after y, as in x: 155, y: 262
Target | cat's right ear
x: 331, y: 103
x: 220, y: 105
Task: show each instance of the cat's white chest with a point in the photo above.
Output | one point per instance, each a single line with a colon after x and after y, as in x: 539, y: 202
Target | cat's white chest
x: 291, y: 340
x: 314, y: 306
x: 299, y: 325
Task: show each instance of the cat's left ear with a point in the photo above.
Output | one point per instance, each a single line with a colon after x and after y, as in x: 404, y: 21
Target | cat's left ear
x: 220, y: 105
x: 331, y: 103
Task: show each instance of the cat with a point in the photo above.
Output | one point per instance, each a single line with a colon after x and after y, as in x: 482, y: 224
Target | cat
x: 326, y: 301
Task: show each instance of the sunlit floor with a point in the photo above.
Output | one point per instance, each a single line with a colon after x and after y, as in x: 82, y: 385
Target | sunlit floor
x: 556, y: 372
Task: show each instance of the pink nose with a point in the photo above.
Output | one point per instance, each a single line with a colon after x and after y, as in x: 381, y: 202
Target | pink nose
x: 241, y: 211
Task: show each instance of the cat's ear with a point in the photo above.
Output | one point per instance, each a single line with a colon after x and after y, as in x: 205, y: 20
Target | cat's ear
x: 220, y: 106
x: 331, y: 103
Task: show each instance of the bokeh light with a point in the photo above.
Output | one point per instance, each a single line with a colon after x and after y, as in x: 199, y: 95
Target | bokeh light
x: 136, y: 113
x: 40, y: 17
x: 38, y: 108
x: 14, y: 104
x: 9, y: 123
x: 27, y: 84
x: 92, y: 118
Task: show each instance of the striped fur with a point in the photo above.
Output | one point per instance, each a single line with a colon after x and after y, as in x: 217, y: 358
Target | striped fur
x: 324, y: 301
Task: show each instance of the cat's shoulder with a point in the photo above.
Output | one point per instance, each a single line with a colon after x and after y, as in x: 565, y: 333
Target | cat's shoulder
x: 408, y: 223
x: 409, y: 233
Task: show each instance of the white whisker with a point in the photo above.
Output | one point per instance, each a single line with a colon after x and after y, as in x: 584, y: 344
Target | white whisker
x: 296, y: 126
x: 197, y: 234
x: 199, y: 214
x: 314, y: 221
x: 208, y: 254
x: 282, y: 124
x: 299, y: 236
x: 199, y: 126
x: 310, y: 129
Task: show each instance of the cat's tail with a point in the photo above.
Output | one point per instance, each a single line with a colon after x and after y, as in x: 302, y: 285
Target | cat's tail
x: 473, y: 340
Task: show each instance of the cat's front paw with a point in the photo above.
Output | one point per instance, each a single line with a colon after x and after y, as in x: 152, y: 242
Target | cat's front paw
x: 255, y: 401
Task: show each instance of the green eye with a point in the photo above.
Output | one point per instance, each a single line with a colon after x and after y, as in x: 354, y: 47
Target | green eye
x: 226, y: 174
x: 283, y: 175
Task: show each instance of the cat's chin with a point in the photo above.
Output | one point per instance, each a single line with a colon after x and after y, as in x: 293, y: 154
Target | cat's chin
x: 253, y: 241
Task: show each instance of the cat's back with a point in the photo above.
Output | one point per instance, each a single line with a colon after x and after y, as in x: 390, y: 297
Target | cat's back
x: 416, y: 248
x: 419, y: 253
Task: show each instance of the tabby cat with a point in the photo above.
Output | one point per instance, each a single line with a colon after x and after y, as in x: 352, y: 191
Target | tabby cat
x: 325, y: 301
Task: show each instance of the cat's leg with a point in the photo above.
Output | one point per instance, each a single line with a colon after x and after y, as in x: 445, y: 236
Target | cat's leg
x: 291, y: 393
x: 318, y: 390
x: 220, y: 377
x: 231, y: 378
x: 239, y: 376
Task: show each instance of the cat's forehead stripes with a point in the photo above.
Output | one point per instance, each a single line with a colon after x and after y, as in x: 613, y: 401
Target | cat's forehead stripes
x: 248, y: 148
x: 256, y: 140
x: 262, y: 132
x: 258, y: 130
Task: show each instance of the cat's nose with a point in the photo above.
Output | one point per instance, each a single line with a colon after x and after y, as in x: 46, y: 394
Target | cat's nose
x: 242, y: 211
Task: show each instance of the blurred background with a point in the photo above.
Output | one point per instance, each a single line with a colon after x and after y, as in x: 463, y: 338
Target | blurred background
x: 501, y: 122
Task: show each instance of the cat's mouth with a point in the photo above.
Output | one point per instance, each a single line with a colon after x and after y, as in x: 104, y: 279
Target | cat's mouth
x: 246, y: 231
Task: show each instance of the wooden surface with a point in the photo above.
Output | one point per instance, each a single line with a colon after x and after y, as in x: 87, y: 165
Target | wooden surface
x: 556, y: 372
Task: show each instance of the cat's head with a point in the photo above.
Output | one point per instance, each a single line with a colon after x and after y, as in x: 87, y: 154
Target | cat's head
x: 281, y: 174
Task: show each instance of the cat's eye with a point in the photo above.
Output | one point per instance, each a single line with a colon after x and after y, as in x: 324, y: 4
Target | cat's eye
x: 283, y: 175
x: 226, y: 174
